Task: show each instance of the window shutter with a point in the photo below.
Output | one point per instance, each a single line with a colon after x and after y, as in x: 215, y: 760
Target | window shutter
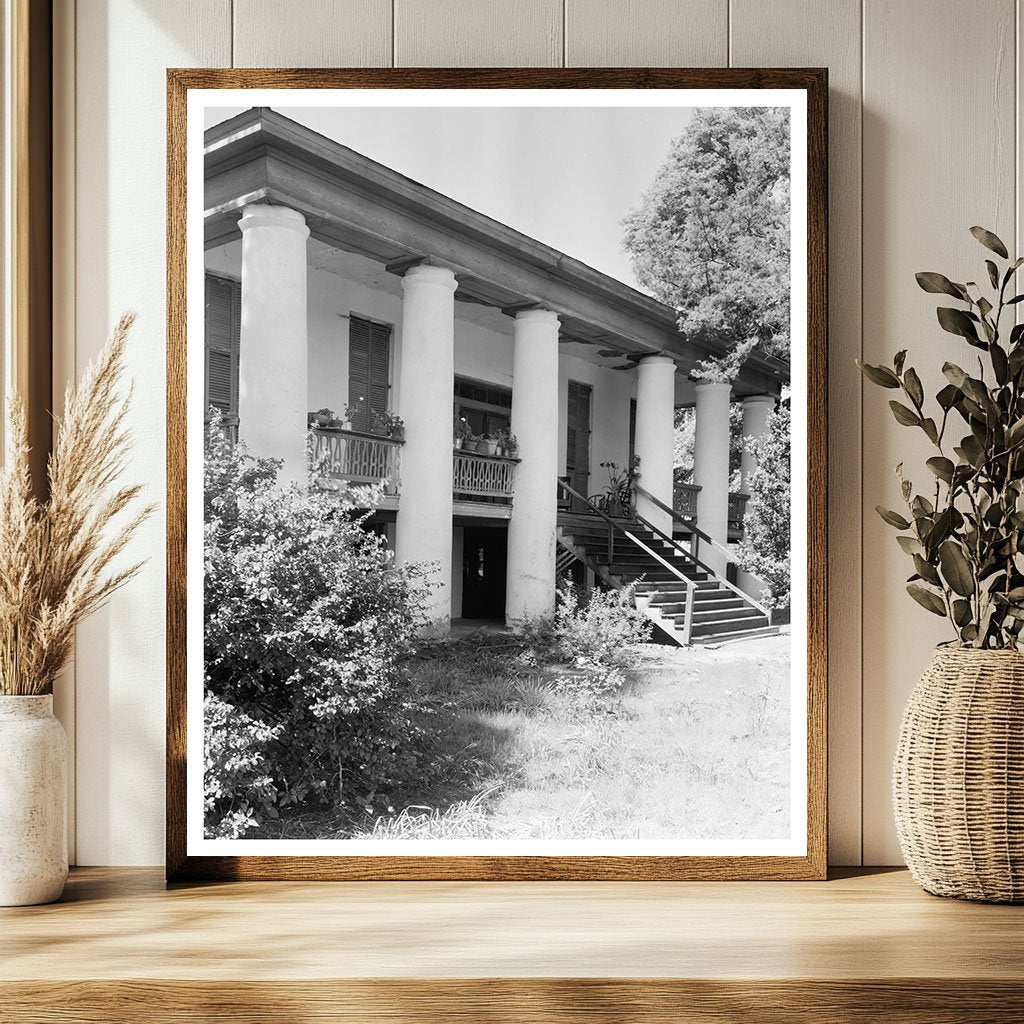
x: 223, y: 329
x: 369, y: 360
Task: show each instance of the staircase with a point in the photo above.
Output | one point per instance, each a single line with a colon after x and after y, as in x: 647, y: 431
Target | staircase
x: 670, y: 586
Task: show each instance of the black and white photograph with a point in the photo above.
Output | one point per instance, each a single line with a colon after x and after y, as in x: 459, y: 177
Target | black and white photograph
x: 497, y: 427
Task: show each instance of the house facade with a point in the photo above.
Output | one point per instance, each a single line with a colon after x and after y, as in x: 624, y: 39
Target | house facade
x: 336, y: 284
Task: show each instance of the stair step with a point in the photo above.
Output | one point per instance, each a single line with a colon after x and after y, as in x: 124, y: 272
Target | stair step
x: 676, y: 587
x: 724, y: 626
x: 726, y: 615
x: 700, y: 611
x: 740, y: 634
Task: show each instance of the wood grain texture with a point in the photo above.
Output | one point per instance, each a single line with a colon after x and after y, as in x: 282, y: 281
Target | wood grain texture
x: 869, y: 947
x: 496, y: 868
x: 478, y: 33
x: 122, y: 51
x: 312, y: 33
x: 647, y: 33
x: 801, y: 33
x: 30, y: 209
x: 936, y: 73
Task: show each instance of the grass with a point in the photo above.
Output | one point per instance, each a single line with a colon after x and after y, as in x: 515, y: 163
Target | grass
x: 683, y: 744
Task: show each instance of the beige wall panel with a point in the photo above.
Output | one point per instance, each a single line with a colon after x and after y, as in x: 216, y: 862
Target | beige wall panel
x: 312, y: 33
x: 123, y: 48
x: 802, y: 33
x: 646, y: 33
x: 478, y: 33
x: 64, y: 262
x: 939, y: 156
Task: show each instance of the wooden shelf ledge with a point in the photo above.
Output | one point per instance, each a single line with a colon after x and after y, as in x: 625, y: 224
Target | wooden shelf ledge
x: 865, y: 946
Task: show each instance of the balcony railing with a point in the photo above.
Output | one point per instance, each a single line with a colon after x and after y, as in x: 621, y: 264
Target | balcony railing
x: 686, y: 499
x: 686, y: 505
x: 737, y: 510
x: 476, y: 477
x: 358, y: 458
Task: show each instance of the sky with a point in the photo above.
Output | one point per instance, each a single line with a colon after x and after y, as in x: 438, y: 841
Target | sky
x: 565, y: 176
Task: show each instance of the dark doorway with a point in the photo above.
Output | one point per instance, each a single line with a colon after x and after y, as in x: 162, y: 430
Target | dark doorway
x: 484, y: 557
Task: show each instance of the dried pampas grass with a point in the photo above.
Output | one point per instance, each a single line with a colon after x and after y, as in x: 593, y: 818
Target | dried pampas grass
x: 56, y: 557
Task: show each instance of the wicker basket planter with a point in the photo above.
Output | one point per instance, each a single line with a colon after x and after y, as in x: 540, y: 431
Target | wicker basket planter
x: 958, y: 777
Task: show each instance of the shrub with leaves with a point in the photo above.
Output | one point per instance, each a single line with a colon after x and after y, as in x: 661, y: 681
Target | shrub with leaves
x: 306, y: 622
x: 765, y: 550
x: 597, y: 631
x: 965, y: 533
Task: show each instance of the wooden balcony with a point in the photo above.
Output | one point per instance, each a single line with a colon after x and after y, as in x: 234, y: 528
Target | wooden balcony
x: 685, y: 503
x: 486, y: 481
x: 357, y: 458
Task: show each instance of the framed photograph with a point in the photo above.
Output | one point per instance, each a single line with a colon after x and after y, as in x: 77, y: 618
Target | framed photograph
x: 496, y: 474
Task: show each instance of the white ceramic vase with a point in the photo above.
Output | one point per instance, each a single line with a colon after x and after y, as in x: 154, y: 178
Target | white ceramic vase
x: 33, y: 798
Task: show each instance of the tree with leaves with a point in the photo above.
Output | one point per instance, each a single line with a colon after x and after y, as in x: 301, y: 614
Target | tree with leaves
x: 965, y: 533
x: 765, y: 550
x: 711, y: 235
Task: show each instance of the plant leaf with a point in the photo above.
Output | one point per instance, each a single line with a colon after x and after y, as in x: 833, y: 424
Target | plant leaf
x: 954, y: 375
x: 927, y: 571
x: 912, y: 385
x: 941, y: 467
x: 880, y: 375
x: 903, y: 415
x: 926, y: 598
x: 956, y: 321
x: 947, y: 397
x: 893, y: 518
x: 961, y: 612
x: 990, y: 241
x: 993, y: 273
x: 939, y: 284
x: 956, y: 570
x: 911, y: 545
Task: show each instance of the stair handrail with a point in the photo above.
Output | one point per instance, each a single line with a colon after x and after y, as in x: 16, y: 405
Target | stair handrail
x: 689, y: 556
x: 690, y: 524
x: 691, y: 586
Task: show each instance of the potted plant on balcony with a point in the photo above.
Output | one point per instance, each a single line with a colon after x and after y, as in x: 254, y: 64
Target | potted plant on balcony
x: 388, y: 425
x: 960, y: 756
x: 480, y: 445
x: 320, y: 418
x: 463, y: 433
x: 511, y: 445
x: 617, y: 499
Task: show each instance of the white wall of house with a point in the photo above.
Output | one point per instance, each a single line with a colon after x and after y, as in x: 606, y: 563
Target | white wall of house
x: 609, y: 410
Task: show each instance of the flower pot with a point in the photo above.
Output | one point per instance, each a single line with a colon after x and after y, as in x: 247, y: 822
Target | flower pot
x: 481, y: 447
x: 958, y: 776
x: 492, y: 447
x: 458, y: 444
x: 33, y: 797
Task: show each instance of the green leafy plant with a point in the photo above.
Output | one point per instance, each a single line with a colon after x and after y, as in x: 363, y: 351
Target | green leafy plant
x: 965, y: 532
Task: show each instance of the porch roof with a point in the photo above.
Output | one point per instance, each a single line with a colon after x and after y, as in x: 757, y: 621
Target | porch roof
x: 354, y: 203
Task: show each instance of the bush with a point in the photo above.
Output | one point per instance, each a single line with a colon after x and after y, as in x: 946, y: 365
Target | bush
x: 596, y: 633
x: 766, y: 540
x: 307, y: 621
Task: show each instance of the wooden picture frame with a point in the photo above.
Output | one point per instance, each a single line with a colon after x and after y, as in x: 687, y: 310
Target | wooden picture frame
x: 811, y: 864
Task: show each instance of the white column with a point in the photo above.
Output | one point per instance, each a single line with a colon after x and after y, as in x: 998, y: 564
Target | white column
x: 711, y: 468
x: 655, y: 436
x: 530, y: 579
x: 272, y: 347
x: 424, y: 523
x: 756, y: 411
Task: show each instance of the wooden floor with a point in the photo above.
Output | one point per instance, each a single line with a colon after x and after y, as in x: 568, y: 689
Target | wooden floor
x: 864, y: 947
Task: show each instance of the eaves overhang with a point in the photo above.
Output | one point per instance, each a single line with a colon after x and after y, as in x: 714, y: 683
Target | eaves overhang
x: 355, y: 203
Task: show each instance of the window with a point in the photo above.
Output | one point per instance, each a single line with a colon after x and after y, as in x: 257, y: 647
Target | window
x: 487, y: 408
x: 223, y: 330
x: 369, y: 370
